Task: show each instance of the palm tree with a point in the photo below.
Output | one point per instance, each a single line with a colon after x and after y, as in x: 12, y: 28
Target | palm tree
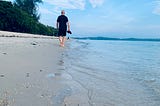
x: 30, y: 6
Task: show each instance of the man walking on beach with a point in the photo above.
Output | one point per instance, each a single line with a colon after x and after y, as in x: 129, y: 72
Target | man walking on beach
x: 62, y: 24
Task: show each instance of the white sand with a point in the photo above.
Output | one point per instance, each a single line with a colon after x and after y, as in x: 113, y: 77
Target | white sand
x: 24, y: 35
x: 31, y: 71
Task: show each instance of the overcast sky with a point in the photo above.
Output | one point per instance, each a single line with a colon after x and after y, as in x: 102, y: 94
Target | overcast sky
x: 115, y: 17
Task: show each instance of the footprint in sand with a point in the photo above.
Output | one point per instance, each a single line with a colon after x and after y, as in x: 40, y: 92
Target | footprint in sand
x: 4, y: 53
x: 27, y: 75
x: 1, y: 75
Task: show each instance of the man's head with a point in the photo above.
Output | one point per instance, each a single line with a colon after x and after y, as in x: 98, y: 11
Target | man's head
x: 62, y: 12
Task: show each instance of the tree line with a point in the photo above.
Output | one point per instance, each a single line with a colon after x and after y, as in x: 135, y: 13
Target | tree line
x: 22, y: 16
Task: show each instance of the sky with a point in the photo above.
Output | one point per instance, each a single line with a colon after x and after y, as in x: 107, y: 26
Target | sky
x: 112, y: 18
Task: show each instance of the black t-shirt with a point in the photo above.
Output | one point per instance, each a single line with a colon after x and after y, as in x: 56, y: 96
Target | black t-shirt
x: 62, y: 20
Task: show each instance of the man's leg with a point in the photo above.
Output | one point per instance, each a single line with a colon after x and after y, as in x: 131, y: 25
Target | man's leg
x: 61, y: 40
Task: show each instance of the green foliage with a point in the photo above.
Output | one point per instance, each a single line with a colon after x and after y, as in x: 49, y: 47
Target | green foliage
x: 29, y: 6
x: 15, y: 19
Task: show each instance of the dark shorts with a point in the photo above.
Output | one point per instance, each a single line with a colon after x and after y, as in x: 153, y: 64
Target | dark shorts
x: 62, y: 32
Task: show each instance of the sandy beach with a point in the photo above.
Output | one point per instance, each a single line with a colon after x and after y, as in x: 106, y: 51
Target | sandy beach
x: 36, y: 71
x: 31, y: 71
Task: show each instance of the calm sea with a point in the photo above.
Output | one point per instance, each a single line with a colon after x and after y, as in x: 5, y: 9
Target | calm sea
x: 115, y: 72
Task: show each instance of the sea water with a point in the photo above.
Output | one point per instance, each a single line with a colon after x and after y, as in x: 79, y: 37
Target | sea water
x: 115, y: 72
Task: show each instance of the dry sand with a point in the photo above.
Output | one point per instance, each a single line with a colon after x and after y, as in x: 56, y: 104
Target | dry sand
x: 31, y: 71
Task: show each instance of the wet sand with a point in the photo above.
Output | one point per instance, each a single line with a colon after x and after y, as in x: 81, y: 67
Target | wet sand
x: 31, y: 71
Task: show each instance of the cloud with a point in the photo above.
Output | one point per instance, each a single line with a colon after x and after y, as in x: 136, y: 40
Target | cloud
x: 45, y: 11
x: 9, y: 0
x: 96, y: 3
x: 156, y: 9
x: 67, y: 4
x: 73, y: 4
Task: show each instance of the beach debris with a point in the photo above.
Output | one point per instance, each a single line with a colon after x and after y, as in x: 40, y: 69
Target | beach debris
x: 2, y: 75
x: 40, y: 70
x: 33, y: 43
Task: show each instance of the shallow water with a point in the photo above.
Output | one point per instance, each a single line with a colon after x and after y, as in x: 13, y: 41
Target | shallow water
x: 114, y: 73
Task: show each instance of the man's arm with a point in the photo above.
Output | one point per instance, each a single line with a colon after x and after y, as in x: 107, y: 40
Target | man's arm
x: 68, y: 24
x: 57, y: 25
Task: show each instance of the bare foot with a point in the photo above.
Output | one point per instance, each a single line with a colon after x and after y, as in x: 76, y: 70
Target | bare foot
x: 61, y: 44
